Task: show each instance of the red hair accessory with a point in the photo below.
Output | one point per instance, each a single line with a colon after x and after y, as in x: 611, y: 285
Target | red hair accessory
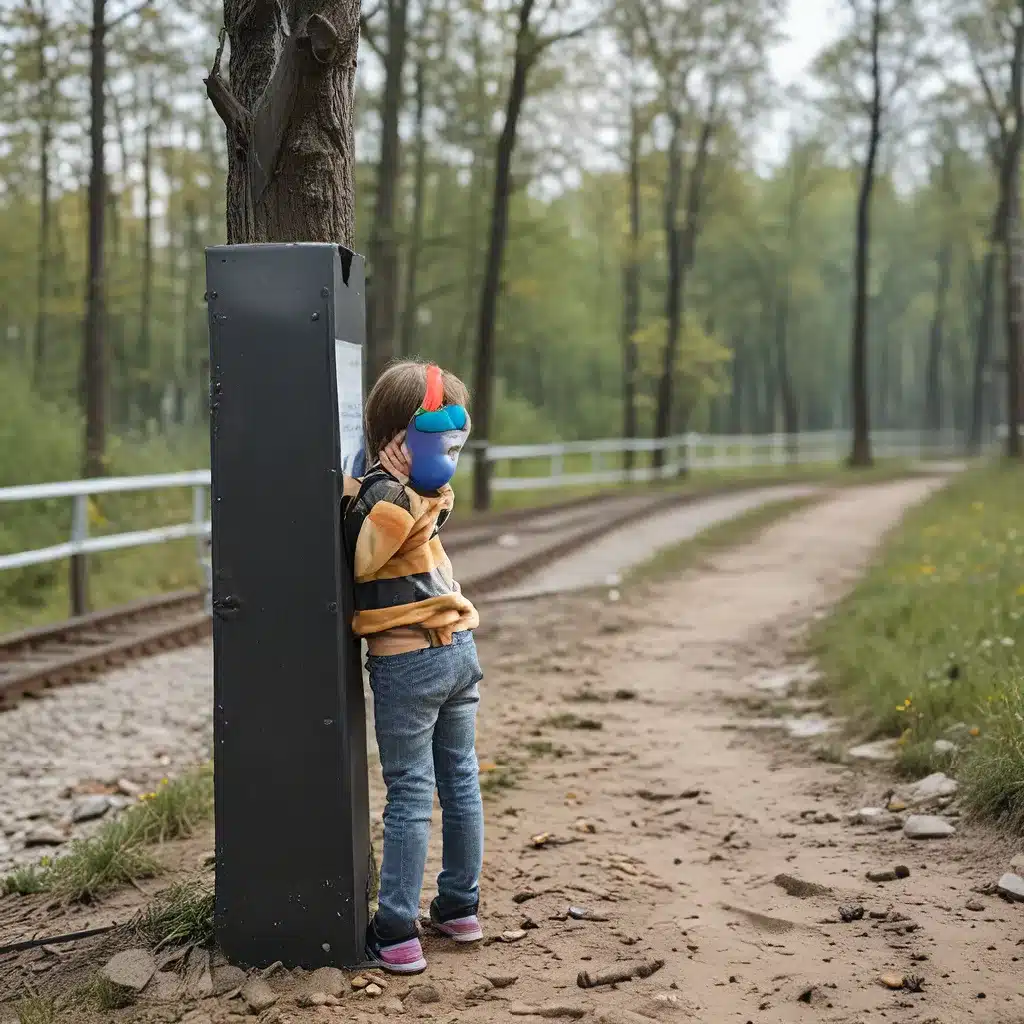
x: 434, y: 396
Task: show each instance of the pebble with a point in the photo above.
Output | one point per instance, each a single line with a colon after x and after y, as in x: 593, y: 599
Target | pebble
x: 328, y: 980
x: 868, y: 816
x: 393, y: 1006
x: 976, y: 905
x: 227, y: 978
x: 513, y: 936
x: 258, y: 995
x: 927, y: 790
x: 45, y: 835
x: 889, y: 874
x: 373, y: 989
x: 90, y: 807
x: 879, y: 750
x: 359, y: 982
x: 927, y: 826
x: 1017, y: 863
x: 130, y: 969
x: 424, y: 994
x: 502, y: 980
x: 1011, y: 886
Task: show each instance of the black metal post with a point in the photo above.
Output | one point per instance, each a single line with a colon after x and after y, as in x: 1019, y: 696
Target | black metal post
x: 287, y: 327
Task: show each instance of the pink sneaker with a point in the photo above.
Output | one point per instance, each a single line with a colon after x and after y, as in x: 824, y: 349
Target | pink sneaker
x: 402, y: 957
x: 462, y: 925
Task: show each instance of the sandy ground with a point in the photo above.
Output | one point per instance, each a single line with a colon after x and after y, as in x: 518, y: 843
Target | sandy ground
x: 669, y: 819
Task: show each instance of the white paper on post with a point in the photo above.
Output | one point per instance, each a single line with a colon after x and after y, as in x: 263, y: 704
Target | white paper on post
x: 348, y: 362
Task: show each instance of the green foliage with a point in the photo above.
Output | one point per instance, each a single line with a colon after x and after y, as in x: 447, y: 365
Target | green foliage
x: 181, y: 915
x: 37, y: 1010
x: 118, y: 853
x: 929, y: 645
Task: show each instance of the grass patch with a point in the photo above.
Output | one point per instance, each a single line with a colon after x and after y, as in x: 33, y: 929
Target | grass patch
x: 106, y: 996
x: 544, y: 748
x: 500, y: 779
x: 567, y: 720
x: 929, y: 645
x: 37, y: 1010
x: 118, y: 853
x: 675, y: 558
x: 181, y: 915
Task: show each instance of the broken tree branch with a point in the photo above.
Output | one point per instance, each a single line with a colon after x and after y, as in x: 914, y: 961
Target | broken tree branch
x: 614, y: 975
x: 236, y: 118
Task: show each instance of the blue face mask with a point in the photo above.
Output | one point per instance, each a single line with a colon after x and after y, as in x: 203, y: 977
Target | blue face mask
x: 435, y: 438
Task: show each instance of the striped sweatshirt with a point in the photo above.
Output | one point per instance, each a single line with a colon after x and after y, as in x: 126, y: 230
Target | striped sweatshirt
x: 403, y: 578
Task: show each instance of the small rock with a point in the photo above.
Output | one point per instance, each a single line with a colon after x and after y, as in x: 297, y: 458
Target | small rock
x: 927, y: 826
x: 895, y: 805
x: 807, y: 728
x: 1011, y: 886
x: 45, y: 835
x: 976, y: 905
x: 514, y: 935
x: 848, y: 914
x: 585, y: 826
x: 893, y: 981
x: 936, y: 786
x: 359, y: 983
x: 130, y: 969
x: 198, y: 980
x: 583, y: 914
x: 879, y: 750
x: 944, y: 748
x: 128, y: 788
x: 89, y: 808
x: 226, y: 979
x: 258, y: 995
x: 477, y: 992
x: 889, y: 874
x: 328, y: 980
x: 424, y: 994
x: 502, y: 980
x: 867, y: 816
x: 309, y: 999
x: 164, y: 987
x: 373, y: 989
x: 1017, y: 864
x: 393, y: 1006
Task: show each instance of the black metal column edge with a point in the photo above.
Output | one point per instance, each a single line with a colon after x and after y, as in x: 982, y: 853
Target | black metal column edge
x: 289, y: 733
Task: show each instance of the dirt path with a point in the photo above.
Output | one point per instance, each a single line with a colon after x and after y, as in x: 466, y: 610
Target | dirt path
x: 689, y: 879
x: 618, y: 729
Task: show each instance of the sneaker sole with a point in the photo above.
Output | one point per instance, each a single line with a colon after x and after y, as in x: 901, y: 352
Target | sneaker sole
x: 463, y: 937
x: 416, y: 967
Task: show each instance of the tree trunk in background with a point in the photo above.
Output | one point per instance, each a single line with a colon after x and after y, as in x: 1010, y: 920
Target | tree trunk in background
x: 631, y: 287
x: 144, y: 359
x: 382, y: 252
x: 860, y: 453
x: 483, y: 371
x: 1012, y: 242
x: 409, y: 308
x: 681, y: 249
x: 983, y: 342
x: 933, y: 380
x: 295, y: 132
x: 43, y: 263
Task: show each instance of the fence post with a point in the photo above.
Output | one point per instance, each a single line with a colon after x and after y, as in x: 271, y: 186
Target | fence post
x: 79, y: 580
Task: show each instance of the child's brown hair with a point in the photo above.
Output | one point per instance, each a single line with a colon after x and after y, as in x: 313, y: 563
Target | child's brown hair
x: 396, y: 396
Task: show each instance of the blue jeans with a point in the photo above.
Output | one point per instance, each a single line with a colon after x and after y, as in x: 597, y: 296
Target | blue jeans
x: 425, y: 704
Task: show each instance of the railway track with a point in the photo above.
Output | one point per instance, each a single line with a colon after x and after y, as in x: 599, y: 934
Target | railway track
x: 493, y: 555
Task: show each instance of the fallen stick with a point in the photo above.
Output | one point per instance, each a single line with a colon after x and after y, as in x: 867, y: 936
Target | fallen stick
x: 613, y: 975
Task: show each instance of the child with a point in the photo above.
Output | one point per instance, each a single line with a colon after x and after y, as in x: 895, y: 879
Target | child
x: 423, y: 667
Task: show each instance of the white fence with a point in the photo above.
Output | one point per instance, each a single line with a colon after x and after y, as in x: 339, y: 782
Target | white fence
x: 514, y: 468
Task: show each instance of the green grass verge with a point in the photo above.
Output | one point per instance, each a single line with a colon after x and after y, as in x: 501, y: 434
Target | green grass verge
x: 181, y: 915
x: 119, y: 852
x: 675, y: 558
x: 929, y: 645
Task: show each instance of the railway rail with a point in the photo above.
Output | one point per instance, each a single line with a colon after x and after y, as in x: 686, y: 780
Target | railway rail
x: 494, y: 555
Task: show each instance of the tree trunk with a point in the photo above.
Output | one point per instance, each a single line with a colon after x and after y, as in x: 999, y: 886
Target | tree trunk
x: 382, y: 292
x: 43, y: 267
x: 983, y: 343
x: 1014, y: 305
x: 631, y: 287
x: 681, y: 248
x: 144, y: 359
x: 409, y: 307
x: 483, y: 375
x: 288, y: 111
x: 933, y: 381
x: 860, y: 453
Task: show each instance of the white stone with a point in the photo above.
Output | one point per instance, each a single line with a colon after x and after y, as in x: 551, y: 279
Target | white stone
x: 1011, y: 886
x: 868, y: 816
x: 927, y: 826
x: 807, y: 728
x: 879, y: 750
x: 927, y: 790
x: 130, y: 969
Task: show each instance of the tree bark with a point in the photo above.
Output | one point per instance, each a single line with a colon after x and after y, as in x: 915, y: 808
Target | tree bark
x: 631, y: 286
x: 933, y: 367
x: 409, y: 306
x: 980, y: 391
x: 43, y: 263
x: 1014, y: 305
x: 860, y: 453
x: 289, y: 118
x: 483, y: 375
x: 144, y: 359
x: 681, y: 249
x: 382, y: 291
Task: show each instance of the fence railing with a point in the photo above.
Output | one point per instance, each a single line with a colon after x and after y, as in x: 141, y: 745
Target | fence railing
x: 513, y: 468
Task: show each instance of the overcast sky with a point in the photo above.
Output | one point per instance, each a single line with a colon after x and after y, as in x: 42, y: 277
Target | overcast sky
x: 811, y: 25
